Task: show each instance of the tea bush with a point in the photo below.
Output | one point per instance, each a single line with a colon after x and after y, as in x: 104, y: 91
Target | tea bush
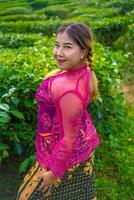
x: 17, y: 10
x: 125, y: 7
x: 16, y: 40
x: 37, y: 4
x: 47, y: 27
x: 24, y: 17
x: 26, y: 42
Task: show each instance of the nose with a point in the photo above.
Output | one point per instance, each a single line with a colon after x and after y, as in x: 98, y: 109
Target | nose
x: 60, y: 52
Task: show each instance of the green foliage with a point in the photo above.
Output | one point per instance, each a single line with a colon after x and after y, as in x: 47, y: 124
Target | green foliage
x: 48, y: 27
x: 55, y: 11
x: 124, y: 6
x: 16, y: 10
x: 4, y: 153
x: 26, y: 42
x: 61, y: 13
x: 16, y: 40
x: 4, y: 117
x: 37, y: 4
x: 126, y: 43
x: 104, y: 29
x: 26, y: 163
x: 60, y: 2
x: 24, y: 17
x: 6, y: 5
x: 114, y: 161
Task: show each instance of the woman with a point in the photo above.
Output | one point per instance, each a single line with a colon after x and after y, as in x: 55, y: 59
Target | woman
x: 66, y: 137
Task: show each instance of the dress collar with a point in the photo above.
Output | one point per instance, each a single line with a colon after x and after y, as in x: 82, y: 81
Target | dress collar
x: 72, y: 71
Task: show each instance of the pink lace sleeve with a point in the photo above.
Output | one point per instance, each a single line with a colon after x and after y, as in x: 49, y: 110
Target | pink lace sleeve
x: 70, y: 111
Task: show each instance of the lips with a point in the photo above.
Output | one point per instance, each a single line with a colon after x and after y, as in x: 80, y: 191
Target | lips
x: 60, y: 61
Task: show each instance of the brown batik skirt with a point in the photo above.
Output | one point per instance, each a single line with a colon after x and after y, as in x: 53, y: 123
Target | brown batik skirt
x: 77, y: 184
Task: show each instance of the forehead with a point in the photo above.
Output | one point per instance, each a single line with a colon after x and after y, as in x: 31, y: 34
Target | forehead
x: 64, y: 38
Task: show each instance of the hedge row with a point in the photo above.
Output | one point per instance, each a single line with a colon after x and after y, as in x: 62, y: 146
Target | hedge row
x: 47, y: 27
x: 16, y: 10
x: 17, y: 40
x: 24, y: 17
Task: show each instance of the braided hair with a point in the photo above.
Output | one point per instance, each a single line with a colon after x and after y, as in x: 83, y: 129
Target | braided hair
x: 90, y: 60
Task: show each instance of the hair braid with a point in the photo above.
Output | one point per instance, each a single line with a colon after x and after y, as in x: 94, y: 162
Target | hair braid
x: 93, y: 80
x: 90, y: 59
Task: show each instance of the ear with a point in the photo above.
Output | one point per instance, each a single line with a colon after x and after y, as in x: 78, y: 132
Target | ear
x: 83, y: 53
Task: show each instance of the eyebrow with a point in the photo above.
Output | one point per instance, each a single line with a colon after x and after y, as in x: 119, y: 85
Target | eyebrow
x: 65, y: 43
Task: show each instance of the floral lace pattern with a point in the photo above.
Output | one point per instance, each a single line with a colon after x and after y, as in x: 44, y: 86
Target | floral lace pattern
x: 46, y: 122
x: 65, y: 133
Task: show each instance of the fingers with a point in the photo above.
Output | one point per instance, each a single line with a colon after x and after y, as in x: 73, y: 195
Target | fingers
x: 43, y: 187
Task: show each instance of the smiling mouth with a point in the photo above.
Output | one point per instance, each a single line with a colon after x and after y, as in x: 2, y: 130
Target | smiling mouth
x: 61, y: 61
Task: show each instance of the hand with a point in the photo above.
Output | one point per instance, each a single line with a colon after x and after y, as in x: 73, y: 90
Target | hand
x: 48, y: 180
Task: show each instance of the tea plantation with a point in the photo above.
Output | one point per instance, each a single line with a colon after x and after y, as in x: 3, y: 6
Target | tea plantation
x: 27, y: 35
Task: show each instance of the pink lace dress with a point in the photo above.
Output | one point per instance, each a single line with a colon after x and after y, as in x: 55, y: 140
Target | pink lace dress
x: 65, y: 135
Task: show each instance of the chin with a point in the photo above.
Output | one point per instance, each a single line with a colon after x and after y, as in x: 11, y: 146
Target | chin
x: 61, y: 67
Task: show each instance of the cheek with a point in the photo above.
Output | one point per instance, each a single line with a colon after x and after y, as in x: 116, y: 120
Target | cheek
x: 70, y: 53
x: 54, y: 52
x: 74, y: 54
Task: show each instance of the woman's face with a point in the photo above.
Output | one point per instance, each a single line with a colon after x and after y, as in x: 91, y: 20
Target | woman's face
x: 67, y: 53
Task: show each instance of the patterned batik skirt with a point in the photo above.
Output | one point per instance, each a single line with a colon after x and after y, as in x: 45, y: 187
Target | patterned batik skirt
x: 77, y: 184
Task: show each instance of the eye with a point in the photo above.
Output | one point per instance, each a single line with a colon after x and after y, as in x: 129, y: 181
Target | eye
x: 56, y: 45
x: 67, y: 47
